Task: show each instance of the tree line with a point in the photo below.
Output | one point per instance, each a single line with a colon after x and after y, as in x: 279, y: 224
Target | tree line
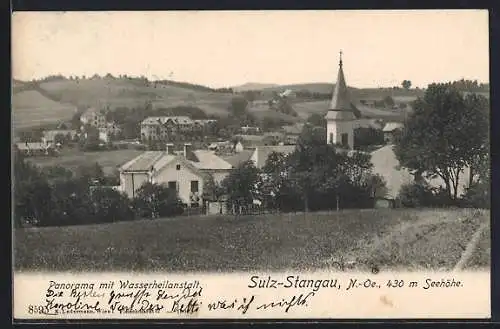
x: 56, y: 196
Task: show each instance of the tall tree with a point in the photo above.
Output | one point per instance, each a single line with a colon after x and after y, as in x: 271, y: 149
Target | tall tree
x: 389, y: 101
x: 212, y: 190
x: 238, y: 106
x: 273, y: 179
x: 406, y: 84
x: 241, y: 186
x: 445, y: 133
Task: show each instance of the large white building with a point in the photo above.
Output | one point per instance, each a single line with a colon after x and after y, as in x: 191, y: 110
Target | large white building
x: 159, y: 128
x: 93, y: 117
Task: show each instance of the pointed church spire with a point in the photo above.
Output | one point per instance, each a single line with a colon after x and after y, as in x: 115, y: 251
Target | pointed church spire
x: 340, y: 99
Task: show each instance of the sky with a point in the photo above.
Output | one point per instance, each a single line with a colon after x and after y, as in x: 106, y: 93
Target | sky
x: 222, y: 49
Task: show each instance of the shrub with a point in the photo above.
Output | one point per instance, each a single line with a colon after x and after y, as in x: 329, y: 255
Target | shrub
x: 415, y: 195
x: 111, y: 206
x: 157, y: 200
x: 477, y: 196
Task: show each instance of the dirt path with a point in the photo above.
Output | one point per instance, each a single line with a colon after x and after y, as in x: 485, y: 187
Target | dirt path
x: 410, y: 234
x: 471, y: 247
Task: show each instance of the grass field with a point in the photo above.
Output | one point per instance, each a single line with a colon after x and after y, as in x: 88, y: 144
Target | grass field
x: 413, y: 239
x: 30, y: 108
x: 109, y: 160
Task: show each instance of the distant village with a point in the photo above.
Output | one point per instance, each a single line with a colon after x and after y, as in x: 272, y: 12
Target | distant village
x: 180, y: 151
x: 156, y: 131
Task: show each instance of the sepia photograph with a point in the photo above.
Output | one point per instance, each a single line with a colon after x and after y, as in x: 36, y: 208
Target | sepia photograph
x: 205, y: 142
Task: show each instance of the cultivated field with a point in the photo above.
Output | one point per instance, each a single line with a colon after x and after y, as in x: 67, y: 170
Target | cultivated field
x: 72, y: 159
x: 304, y: 109
x: 385, y: 238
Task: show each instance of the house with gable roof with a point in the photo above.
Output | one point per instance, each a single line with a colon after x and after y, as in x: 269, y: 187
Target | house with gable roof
x: 185, y: 172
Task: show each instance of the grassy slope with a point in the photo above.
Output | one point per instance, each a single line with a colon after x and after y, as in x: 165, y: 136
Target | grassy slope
x: 102, y: 93
x: 436, y: 241
x: 383, y: 237
x: 31, y: 108
x: 356, y: 93
x: 109, y: 160
x: 304, y: 109
x: 60, y: 97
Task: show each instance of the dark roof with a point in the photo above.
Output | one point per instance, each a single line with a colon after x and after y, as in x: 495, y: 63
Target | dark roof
x: 341, y: 107
x: 238, y: 158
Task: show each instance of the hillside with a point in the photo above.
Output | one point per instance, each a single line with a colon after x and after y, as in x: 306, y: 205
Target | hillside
x: 356, y: 93
x: 55, y: 100
x: 31, y: 108
x: 253, y: 86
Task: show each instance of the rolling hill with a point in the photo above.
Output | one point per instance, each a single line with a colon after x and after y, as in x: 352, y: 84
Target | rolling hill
x: 356, y: 93
x: 38, y: 103
x: 254, y: 86
x: 54, y: 100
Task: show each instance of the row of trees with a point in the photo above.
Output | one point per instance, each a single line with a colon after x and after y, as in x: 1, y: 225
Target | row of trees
x: 307, y: 179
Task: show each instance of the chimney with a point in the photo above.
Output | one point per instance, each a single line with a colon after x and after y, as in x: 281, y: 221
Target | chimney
x: 170, y: 148
x: 187, y: 148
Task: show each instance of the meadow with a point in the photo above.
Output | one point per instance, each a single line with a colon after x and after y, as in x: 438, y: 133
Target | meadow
x: 382, y: 238
x: 30, y: 108
x: 72, y: 159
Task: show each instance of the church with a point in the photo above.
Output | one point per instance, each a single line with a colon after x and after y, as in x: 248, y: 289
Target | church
x: 341, y: 118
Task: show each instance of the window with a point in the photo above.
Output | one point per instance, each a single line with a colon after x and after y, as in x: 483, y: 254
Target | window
x: 345, y: 139
x: 178, y: 167
x: 194, y: 186
x: 172, y: 185
x: 331, y: 138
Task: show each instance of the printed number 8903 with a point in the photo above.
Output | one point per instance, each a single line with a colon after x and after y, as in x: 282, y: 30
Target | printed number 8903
x: 35, y: 309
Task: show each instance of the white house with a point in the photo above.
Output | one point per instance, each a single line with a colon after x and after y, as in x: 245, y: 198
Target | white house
x: 186, y: 173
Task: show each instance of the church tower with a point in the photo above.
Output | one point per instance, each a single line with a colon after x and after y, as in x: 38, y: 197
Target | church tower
x: 340, y: 117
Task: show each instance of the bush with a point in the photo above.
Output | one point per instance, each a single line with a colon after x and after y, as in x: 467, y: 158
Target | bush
x: 477, y: 196
x: 111, y: 206
x: 367, y: 136
x: 157, y: 200
x: 416, y: 195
